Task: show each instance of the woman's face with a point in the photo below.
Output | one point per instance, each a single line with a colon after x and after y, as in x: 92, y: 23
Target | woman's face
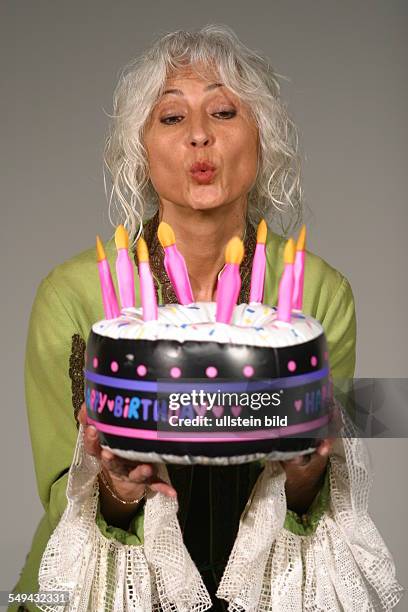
x: 200, y: 120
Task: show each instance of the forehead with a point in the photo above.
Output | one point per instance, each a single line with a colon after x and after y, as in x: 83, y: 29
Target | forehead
x: 197, y: 73
x: 189, y: 81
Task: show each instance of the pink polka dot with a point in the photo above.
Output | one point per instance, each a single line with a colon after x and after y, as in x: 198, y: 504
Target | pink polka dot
x: 95, y: 362
x: 326, y: 356
x: 291, y: 366
x: 141, y: 370
x: 175, y: 372
x: 211, y: 372
x: 114, y: 366
x: 248, y: 371
x: 313, y: 360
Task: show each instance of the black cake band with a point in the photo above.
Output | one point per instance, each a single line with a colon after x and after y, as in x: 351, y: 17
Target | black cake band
x: 159, y: 397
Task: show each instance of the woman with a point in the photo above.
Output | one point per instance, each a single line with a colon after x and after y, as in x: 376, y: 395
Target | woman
x: 201, y: 140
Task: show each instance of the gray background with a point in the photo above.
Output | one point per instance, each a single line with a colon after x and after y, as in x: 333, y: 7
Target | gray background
x: 348, y: 94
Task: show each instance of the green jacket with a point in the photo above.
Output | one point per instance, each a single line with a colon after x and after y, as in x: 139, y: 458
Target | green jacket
x: 67, y: 303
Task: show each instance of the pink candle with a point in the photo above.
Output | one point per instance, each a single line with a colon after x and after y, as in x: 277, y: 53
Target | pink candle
x: 259, y: 264
x: 175, y: 265
x: 124, y: 269
x: 229, y: 284
x: 110, y: 302
x: 286, y: 283
x: 147, y: 290
x: 299, y: 270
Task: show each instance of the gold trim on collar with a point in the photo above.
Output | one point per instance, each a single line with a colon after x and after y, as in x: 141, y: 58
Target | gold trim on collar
x: 156, y: 255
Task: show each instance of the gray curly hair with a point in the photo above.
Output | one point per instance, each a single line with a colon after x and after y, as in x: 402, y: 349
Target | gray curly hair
x: 276, y: 192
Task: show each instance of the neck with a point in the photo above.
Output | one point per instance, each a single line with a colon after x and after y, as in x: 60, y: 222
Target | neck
x: 201, y: 238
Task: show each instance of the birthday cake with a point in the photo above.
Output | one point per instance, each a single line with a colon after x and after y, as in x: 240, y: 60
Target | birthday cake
x: 187, y: 389
x: 209, y: 382
x: 216, y: 383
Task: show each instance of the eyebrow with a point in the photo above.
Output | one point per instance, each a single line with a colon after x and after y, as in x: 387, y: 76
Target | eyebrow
x: 178, y: 92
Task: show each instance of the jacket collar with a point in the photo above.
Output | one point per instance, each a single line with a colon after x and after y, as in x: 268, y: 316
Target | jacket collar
x: 156, y: 255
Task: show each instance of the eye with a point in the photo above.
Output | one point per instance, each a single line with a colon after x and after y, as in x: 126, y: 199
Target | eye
x: 226, y: 114
x: 171, y: 120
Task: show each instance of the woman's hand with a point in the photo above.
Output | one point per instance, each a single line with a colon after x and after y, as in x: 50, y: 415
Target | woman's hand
x: 127, y: 478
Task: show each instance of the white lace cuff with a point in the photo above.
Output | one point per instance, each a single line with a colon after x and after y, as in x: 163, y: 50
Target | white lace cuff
x: 103, y: 574
x: 343, y: 566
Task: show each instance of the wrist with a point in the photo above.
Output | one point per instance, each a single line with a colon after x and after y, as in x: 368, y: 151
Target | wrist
x: 125, y: 500
x: 114, y: 511
x: 303, y: 484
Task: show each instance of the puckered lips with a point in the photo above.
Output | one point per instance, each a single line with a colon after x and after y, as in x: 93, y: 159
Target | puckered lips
x: 203, y: 172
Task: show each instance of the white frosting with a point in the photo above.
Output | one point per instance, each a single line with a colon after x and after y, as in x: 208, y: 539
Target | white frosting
x: 252, y: 324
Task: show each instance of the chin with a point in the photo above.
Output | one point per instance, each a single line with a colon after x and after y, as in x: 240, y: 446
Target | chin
x: 197, y: 205
x: 204, y: 200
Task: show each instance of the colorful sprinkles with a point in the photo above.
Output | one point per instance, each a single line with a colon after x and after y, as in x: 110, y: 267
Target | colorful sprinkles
x: 254, y: 324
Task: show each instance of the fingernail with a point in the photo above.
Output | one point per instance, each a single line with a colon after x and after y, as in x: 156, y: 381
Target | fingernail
x: 145, y: 472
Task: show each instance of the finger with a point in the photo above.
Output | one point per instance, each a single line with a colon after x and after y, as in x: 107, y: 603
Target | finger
x: 91, y: 441
x: 325, y: 447
x: 163, y: 487
x: 118, y: 466
x: 147, y: 473
x: 299, y: 460
x: 143, y: 472
x: 107, y: 455
x: 82, y: 415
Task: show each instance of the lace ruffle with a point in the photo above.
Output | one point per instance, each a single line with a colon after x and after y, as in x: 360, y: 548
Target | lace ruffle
x: 103, y: 574
x: 343, y: 566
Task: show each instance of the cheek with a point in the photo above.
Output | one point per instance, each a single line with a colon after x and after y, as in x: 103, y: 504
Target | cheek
x: 244, y: 160
x: 162, y: 159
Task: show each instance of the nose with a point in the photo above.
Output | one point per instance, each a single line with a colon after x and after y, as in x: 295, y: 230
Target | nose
x: 200, y: 134
x: 199, y: 142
